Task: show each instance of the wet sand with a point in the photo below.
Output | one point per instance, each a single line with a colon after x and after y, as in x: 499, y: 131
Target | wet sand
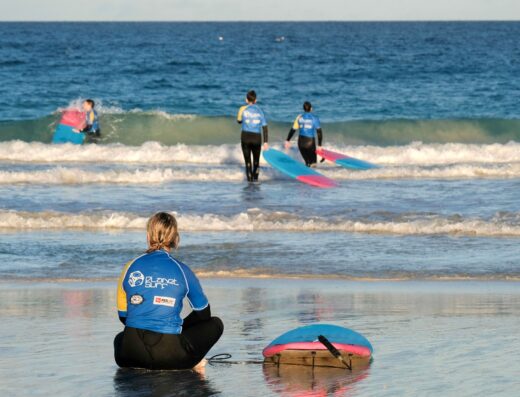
x: 429, y: 338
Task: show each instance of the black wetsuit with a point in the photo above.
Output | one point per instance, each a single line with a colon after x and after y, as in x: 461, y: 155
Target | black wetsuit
x: 150, y: 295
x: 92, y: 129
x: 307, y: 146
x: 138, y: 348
x: 254, y: 125
x: 89, y: 131
x: 251, y: 148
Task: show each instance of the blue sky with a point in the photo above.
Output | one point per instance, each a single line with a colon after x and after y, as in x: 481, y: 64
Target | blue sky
x: 174, y: 10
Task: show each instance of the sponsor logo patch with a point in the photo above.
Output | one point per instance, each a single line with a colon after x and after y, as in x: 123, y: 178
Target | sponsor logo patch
x: 164, y: 301
x: 136, y: 299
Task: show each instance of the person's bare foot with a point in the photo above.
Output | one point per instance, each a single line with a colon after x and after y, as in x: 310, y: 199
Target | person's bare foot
x: 201, y: 366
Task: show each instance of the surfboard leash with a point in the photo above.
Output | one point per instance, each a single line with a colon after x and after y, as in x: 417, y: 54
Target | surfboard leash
x: 332, y: 350
x: 224, y: 358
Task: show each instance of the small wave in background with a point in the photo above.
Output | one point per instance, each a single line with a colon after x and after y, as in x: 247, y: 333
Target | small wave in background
x: 501, y: 224
x: 136, y: 127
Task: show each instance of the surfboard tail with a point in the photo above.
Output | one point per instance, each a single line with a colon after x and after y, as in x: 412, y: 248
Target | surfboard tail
x: 317, y: 180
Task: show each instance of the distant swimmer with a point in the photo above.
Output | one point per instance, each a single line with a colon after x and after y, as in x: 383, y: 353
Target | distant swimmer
x: 91, y: 124
x: 253, y: 125
x: 308, y: 126
x: 150, y: 296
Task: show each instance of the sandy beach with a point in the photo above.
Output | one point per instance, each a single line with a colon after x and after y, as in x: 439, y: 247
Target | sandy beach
x: 452, y: 338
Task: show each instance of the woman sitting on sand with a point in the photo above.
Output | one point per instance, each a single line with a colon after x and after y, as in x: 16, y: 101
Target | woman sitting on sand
x: 150, y: 296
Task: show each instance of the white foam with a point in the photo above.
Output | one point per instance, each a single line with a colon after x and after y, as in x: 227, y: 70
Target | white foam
x: 148, y: 153
x: 104, y: 108
x: 417, y: 154
x: 129, y: 175
x: 505, y: 224
x: 455, y: 171
x: 73, y: 176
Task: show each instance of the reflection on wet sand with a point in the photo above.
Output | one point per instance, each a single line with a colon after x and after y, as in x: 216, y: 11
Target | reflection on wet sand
x: 137, y: 383
x: 301, y: 381
x: 56, y: 339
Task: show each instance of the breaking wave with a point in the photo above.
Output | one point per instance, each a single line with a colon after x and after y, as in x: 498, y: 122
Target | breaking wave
x: 76, y: 176
x: 500, y: 225
x: 135, y: 127
x: 415, y: 153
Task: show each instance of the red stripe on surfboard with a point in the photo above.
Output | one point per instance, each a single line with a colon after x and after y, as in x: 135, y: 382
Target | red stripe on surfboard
x: 317, y: 180
x: 331, y: 156
x: 362, y: 351
x: 73, y: 118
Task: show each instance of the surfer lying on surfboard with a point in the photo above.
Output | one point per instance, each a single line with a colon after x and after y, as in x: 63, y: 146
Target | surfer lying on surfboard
x: 91, y: 124
x: 150, y: 297
x: 253, y: 122
x: 308, y: 126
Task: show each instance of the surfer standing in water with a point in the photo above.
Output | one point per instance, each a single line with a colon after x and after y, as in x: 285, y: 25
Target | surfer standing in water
x: 254, y: 125
x: 91, y: 124
x: 150, y: 297
x: 308, y: 126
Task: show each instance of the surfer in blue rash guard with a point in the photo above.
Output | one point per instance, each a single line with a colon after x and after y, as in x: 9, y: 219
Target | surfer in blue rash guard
x: 308, y: 127
x: 254, y: 124
x: 91, y: 124
x: 150, y: 295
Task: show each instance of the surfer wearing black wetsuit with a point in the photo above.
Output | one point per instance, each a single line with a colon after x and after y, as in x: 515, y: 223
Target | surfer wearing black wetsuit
x: 91, y: 124
x: 308, y: 126
x: 254, y: 125
x: 150, y: 297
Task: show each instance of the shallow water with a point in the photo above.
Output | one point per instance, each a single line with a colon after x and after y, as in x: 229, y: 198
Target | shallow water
x: 402, y: 228
x: 454, y: 339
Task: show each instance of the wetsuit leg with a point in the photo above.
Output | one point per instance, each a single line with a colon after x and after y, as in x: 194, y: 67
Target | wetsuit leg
x: 130, y: 349
x: 251, y: 147
x: 307, y: 148
x: 201, y: 337
x: 256, y: 149
x: 137, y: 348
x: 246, y: 151
x: 93, y: 136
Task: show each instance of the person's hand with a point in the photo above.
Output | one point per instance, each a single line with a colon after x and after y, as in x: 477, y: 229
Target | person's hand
x: 287, y: 144
x: 266, y: 146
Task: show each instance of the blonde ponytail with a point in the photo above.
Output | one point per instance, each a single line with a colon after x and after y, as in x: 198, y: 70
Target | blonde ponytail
x: 162, y: 232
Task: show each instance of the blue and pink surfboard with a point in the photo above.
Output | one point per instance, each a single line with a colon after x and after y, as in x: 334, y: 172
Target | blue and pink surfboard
x: 345, y: 161
x: 70, y: 120
x: 297, y: 170
x: 302, y: 346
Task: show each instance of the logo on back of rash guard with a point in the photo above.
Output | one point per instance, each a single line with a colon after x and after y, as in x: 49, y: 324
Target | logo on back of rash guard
x: 136, y: 279
x: 164, y: 301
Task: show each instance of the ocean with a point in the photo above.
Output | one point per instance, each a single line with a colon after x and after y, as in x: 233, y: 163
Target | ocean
x: 436, y: 104
x: 424, y: 247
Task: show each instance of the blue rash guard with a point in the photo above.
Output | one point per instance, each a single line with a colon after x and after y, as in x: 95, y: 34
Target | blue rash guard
x: 252, y: 118
x: 92, y: 122
x: 307, y: 124
x: 151, y: 290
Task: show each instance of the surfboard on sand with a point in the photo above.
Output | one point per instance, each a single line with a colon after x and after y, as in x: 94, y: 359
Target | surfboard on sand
x: 345, y: 161
x: 64, y: 133
x: 317, y: 344
x: 296, y: 170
